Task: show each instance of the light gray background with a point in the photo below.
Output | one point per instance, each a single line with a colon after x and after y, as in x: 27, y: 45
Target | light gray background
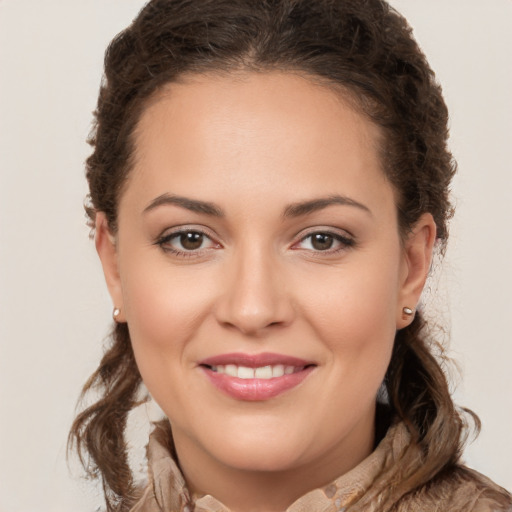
x: 54, y: 310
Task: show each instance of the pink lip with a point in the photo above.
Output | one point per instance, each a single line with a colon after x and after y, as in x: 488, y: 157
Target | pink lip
x: 256, y: 389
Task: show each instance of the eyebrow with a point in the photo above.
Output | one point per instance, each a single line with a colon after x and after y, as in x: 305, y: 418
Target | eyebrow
x: 193, y: 205
x: 306, y: 207
x: 292, y: 210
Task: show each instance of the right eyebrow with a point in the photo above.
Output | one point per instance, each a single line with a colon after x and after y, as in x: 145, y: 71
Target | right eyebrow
x: 192, y: 205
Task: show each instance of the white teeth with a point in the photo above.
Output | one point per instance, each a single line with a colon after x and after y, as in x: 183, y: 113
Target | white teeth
x: 278, y: 370
x: 245, y: 373
x: 265, y: 372
x: 262, y: 372
x: 231, y: 370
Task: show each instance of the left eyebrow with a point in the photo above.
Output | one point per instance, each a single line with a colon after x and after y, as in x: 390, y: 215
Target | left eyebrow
x: 306, y: 207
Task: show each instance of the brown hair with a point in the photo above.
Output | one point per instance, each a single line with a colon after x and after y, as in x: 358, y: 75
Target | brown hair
x: 362, y: 46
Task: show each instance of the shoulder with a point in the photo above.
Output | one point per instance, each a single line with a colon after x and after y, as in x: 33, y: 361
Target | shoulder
x: 459, y: 489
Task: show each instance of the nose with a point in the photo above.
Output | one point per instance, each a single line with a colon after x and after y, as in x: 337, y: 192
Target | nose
x: 254, y: 294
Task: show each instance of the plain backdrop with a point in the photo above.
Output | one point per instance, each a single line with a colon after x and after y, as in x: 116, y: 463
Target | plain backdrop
x: 54, y: 309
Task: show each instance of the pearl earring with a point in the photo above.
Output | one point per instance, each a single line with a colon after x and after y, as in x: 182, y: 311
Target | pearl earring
x: 116, y: 313
x: 408, y: 311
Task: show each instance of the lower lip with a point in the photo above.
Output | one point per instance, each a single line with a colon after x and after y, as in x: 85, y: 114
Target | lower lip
x: 256, y: 389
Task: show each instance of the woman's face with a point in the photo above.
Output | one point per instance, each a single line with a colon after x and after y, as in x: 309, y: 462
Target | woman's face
x: 259, y: 266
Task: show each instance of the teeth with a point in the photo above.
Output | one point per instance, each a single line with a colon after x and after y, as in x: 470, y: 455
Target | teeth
x: 265, y: 372
x: 278, y: 370
x: 262, y: 372
x: 245, y: 373
x: 231, y: 370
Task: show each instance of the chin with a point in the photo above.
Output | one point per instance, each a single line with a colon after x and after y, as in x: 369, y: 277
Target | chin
x: 253, y: 444
x: 272, y: 456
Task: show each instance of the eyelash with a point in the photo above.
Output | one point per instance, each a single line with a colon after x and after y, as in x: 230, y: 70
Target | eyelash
x: 165, y: 239
x: 344, y: 241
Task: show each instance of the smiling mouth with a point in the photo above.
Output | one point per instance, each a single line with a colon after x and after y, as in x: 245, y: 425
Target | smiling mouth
x: 255, y: 377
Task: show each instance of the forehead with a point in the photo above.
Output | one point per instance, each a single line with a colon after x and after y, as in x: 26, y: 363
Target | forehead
x: 253, y: 132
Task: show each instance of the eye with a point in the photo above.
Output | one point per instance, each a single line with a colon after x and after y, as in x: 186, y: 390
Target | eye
x: 185, y: 242
x: 324, y: 241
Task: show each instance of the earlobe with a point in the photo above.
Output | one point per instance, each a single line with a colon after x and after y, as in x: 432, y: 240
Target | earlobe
x: 418, y: 248
x: 107, y: 251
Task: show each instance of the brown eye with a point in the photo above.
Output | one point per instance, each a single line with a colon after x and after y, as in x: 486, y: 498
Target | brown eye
x: 325, y: 241
x: 322, y: 241
x: 191, y: 240
x: 185, y: 242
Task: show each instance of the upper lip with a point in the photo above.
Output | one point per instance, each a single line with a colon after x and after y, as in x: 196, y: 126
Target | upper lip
x: 255, y: 360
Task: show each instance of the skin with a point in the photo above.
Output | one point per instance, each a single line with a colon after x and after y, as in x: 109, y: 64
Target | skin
x: 254, y: 144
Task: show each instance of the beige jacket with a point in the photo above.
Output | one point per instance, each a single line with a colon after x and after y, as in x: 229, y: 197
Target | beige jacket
x: 358, y: 490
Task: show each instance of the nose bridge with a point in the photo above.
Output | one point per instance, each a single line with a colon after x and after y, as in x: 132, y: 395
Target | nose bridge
x: 254, y: 290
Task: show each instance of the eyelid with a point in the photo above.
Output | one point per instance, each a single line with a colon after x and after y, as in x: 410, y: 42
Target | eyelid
x: 169, y: 233
x: 184, y: 228
x: 346, y: 239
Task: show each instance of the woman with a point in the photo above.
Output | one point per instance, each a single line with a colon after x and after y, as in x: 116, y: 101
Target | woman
x: 268, y: 184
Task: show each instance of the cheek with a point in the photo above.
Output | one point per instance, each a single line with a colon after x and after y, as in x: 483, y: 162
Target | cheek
x: 353, y: 303
x: 354, y: 314
x: 164, y: 310
x: 162, y: 305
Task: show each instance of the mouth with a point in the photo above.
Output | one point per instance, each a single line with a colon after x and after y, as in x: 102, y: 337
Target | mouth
x: 261, y: 372
x: 255, y: 377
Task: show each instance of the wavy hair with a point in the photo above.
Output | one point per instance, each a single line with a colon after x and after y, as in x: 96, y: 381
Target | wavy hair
x: 363, y: 48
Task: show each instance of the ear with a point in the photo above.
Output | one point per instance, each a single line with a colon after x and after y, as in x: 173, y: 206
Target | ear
x: 107, y: 251
x: 417, y: 252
